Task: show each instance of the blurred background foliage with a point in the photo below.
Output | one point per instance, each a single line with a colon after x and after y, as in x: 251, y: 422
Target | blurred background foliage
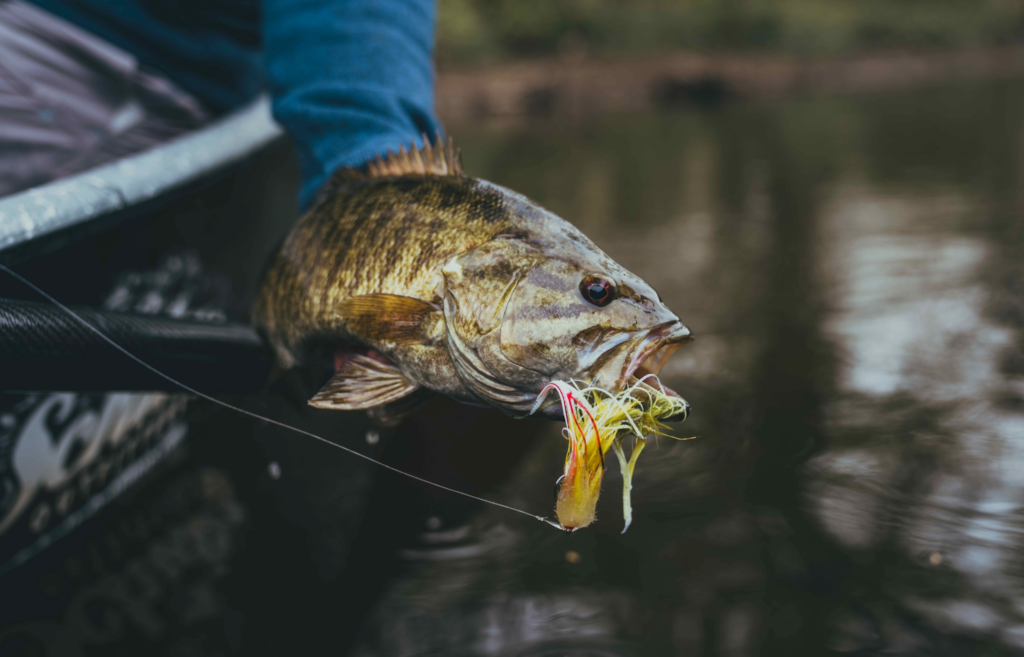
x: 483, y: 31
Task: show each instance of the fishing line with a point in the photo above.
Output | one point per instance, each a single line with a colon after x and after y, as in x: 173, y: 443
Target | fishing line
x: 257, y: 416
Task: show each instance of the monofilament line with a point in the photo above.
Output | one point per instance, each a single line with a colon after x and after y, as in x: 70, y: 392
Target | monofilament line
x: 257, y: 416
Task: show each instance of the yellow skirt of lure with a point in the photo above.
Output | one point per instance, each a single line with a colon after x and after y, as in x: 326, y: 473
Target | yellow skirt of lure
x: 598, y: 422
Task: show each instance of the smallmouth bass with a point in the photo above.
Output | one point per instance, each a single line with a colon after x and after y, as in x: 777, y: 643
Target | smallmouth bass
x: 415, y: 278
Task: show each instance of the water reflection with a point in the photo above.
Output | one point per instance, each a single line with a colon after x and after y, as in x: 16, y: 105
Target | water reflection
x: 852, y: 271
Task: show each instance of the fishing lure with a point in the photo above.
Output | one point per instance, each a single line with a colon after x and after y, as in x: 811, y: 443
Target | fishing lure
x: 597, y: 421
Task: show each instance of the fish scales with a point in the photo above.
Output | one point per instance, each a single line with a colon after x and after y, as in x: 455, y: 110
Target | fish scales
x: 375, y: 236
x: 413, y: 278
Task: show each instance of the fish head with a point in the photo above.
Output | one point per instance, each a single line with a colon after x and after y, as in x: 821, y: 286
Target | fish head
x: 584, y: 317
x: 523, y: 311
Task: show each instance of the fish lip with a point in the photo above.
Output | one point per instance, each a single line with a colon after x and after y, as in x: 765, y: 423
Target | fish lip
x: 665, y: 338
x: 659, y: 345
x: 657, y: 348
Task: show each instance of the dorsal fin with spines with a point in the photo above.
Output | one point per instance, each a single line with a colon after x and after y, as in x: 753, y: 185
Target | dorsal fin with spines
x: 439, y: 159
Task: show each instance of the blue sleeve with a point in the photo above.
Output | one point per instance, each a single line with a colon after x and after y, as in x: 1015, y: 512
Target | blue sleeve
x: 349, y: 78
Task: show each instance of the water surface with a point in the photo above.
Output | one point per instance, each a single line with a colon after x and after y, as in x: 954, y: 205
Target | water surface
x: 853, y: 271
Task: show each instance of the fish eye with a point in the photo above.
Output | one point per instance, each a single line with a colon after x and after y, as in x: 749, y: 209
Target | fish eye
x: 598, y: 291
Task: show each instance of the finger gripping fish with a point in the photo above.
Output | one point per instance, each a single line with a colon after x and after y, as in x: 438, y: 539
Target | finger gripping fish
x: 414, y: 278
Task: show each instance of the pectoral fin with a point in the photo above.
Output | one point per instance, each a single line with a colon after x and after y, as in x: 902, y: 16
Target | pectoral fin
x: 361, y: 383
x: 390, y: 319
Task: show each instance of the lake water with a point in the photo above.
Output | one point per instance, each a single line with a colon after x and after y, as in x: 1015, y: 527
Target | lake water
x: 853, y: 269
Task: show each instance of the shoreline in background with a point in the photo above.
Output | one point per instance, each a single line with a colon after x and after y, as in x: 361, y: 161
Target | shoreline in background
x: 581, y: 86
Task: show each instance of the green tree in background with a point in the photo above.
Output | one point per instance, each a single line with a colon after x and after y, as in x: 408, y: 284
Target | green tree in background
x: 502, y: 30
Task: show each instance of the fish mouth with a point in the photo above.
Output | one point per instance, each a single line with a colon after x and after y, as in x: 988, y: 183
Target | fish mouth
x: 649, y: 359
x: 631, y: 362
